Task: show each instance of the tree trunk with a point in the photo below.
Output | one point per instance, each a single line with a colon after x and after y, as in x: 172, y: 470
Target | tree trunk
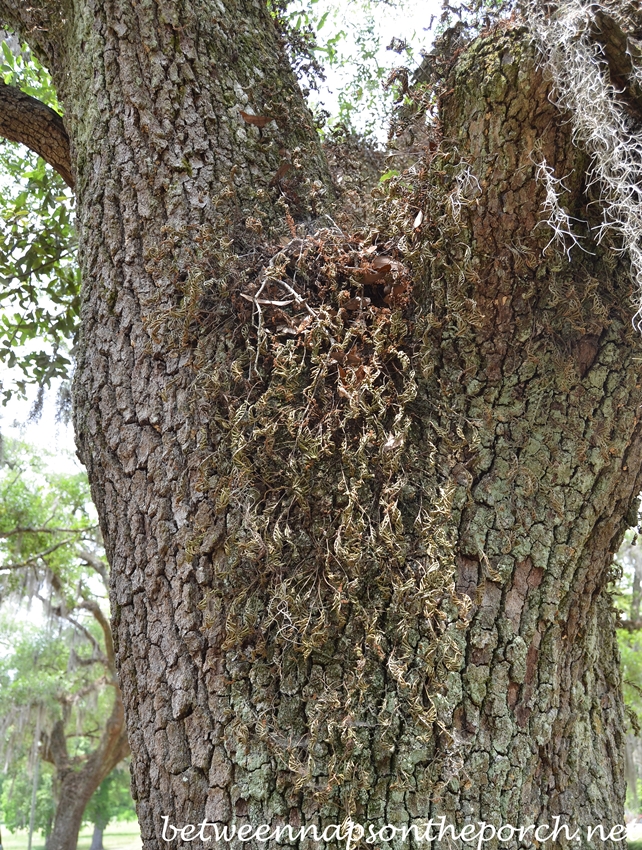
x: 631, y: 744
x: 97, y: 838
x: 77, y: 778
x: 636, y: 592
x: 68, y: 820
x: 360, y: 549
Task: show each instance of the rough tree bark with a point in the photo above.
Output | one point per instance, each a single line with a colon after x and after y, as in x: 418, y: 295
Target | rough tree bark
x: 360, y: 548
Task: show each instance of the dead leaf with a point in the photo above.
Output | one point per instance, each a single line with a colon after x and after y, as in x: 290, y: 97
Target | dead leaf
x: 360, y: 374
x: 370, y: 276
x: 382, y: 264
x: 377, y: 271
x: 255, y: 120
x: 356, y: 303
x: 396, y: 291
x: 281, y: 172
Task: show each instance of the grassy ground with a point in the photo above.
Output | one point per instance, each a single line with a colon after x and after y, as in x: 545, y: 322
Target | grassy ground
x: 118, y: 836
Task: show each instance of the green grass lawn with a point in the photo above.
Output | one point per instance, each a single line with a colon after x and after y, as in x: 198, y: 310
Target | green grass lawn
x: 118, y: 836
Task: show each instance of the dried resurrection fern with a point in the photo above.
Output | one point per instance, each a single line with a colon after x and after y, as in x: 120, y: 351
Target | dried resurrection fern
x: 322, y: 466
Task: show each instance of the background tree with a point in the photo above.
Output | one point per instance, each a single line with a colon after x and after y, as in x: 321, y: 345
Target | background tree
x: 629, y: 559
x: 360, y: 491
x: 112, y: 800
x: 59, y: 702
x: 17, y: 793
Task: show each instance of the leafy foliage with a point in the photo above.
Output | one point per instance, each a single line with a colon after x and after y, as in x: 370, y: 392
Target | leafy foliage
x: 21, y: 68
x: 15, y: 797
x: 40, y: 281
x: 360, y: 59
x: 629, y: 561
x: 48, y: 530
x: 112, y: 800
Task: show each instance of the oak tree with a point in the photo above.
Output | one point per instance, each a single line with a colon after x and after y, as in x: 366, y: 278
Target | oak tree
x: 360, y: 488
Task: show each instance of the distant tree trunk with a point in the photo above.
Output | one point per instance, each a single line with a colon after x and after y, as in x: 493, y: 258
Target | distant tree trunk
x: 632, y: 744
x: 76, y: 779
x: 360, y: 548
x: 636, y: 593
x: 97, y: 838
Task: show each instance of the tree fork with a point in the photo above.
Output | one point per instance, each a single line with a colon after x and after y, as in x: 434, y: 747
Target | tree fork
x: 361, y: 568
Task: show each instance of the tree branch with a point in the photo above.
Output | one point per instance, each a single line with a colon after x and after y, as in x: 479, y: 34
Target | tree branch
x: 33, y: 560
x: 99, y: 656
x: 55, y: 750
x: 629, y: 625
x: 95, y: 563
x: 25, y: 119
x: 27, y: 529
x: 94, y: 608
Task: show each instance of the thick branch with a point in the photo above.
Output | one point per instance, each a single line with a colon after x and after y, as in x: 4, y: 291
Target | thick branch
x: 96, y: 564
x: 55, y: 748
x: 25, y: 119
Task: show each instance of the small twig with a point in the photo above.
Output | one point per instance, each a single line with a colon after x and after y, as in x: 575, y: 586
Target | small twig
x: 265, y: 301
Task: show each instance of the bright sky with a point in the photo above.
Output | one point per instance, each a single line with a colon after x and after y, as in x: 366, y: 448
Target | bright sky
x: 409, y: 21
x: 46, y: 433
